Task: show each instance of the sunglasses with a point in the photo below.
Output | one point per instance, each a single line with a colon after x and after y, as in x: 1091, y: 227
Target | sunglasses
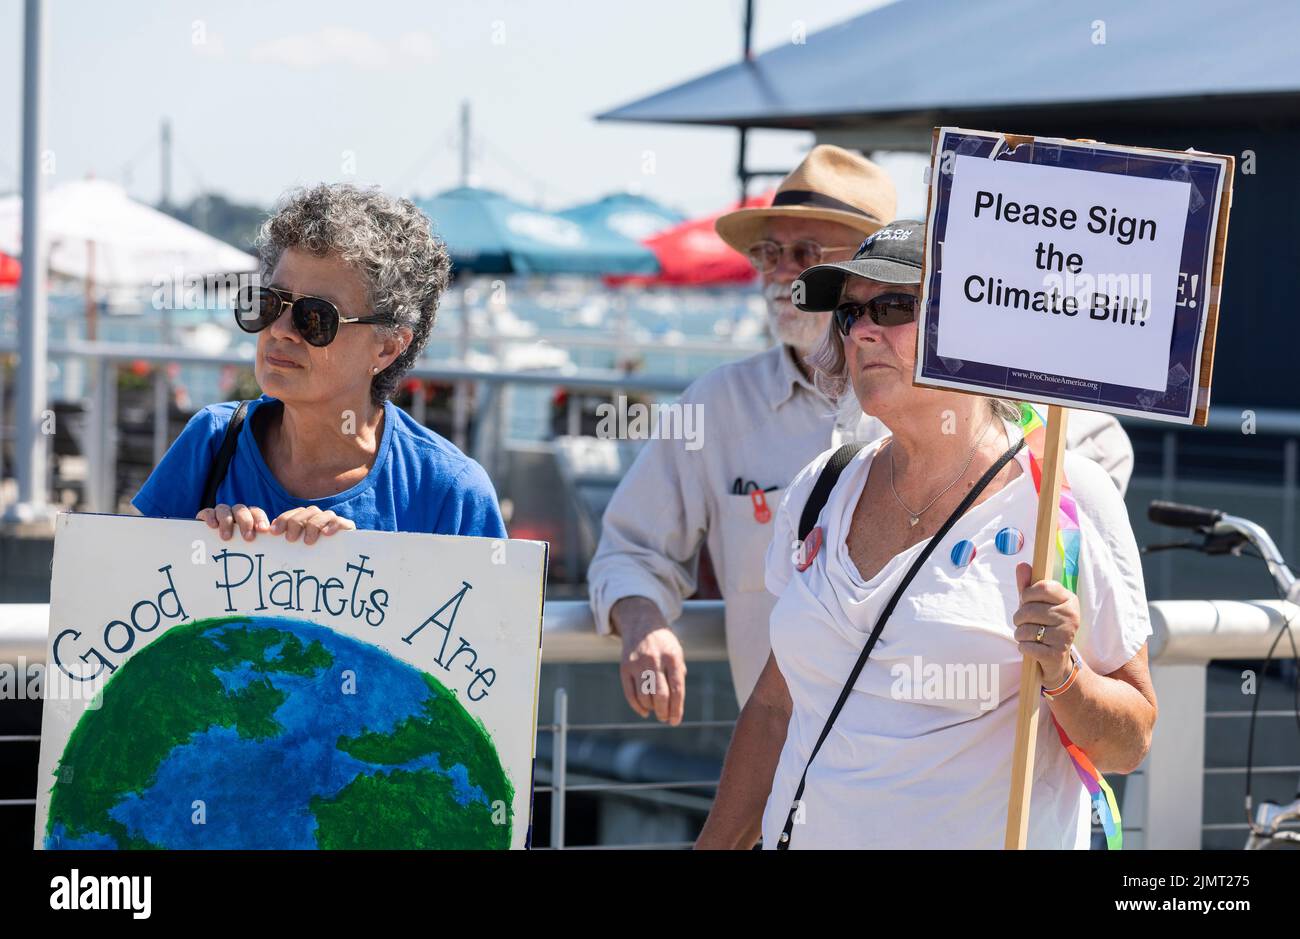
x: 888, y: 309
x: 766, y: 255
x: 317, y: 320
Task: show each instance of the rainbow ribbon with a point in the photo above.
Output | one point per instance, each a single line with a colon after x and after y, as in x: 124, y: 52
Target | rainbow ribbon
x: 1065, y: 570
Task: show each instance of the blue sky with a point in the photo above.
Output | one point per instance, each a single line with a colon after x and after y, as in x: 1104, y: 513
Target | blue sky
x: 263, y: 95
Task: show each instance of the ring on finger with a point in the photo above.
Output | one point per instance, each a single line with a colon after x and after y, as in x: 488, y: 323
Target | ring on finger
x: 1038, y: 636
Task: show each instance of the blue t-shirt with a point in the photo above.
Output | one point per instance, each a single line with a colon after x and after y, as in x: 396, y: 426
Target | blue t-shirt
x: 420, y: 482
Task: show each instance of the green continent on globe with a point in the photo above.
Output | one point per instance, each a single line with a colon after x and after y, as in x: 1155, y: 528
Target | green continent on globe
x: 158, y: 703
x: 416, y: 809
x: 401, y: 809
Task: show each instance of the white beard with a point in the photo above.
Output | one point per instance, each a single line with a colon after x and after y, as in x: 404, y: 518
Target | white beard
x: 790, y: 325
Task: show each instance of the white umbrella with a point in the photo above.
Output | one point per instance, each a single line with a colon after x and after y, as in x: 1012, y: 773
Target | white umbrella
x: 134, y: 245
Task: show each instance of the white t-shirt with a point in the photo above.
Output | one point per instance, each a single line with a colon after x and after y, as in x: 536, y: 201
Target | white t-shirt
x: 920, y: 755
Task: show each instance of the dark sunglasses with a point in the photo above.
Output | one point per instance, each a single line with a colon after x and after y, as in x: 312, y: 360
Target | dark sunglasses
x: 888, y: 309
x: 766, y: 255
x: 317, y: 320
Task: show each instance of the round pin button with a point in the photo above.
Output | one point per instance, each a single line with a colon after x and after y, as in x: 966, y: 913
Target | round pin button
x: 808, y: 549
x: 963, y: 552
x: 1009, y: 540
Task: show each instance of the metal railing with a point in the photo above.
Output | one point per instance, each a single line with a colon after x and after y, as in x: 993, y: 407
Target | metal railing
x: 1162, y: 800
x: 102, y: 358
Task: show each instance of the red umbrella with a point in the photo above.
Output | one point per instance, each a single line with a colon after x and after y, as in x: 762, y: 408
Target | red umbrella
x: 10, y: 271
x: 692, y: 254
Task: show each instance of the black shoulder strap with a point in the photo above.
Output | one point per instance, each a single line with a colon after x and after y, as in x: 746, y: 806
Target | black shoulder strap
x: 221, y: 462
x: 830, y: 475
x: 783, y: 843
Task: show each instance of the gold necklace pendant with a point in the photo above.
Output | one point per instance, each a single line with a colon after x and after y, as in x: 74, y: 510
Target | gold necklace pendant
x: 914, y: 517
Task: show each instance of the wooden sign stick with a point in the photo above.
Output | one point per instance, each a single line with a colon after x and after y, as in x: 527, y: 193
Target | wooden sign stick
x: 1022, y: 763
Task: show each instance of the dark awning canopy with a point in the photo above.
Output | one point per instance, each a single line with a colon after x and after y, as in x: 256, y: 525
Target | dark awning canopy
x: 928, y: 62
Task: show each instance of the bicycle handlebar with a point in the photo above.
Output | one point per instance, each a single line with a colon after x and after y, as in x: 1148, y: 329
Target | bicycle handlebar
x: 1215, y: 524
x: 1177, y: 515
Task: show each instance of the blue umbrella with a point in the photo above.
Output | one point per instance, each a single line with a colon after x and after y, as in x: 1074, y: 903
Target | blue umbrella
x: 625, y: 214
x: 488, y: 233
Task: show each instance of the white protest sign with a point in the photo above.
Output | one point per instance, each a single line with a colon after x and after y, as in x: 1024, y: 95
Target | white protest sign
x: 1126, y: 274
x: 1073, y: 273
x: 373, y: 690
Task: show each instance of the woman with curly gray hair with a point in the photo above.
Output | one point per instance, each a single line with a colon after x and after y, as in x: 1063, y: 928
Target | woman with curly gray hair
x: 349, y: 287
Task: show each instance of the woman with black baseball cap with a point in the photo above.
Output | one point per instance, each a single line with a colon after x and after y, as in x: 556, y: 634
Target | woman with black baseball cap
x: 886, y: 714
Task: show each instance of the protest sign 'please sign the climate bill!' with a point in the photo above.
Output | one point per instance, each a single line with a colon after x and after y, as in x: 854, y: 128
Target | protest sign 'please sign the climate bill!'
x: 1073, y: 273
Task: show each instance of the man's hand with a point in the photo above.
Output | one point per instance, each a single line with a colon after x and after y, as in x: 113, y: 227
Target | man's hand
x: 653, y: 668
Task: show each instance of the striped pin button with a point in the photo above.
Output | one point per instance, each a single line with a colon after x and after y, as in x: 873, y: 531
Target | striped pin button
x: 963, y: 552
x: 1009, y: 540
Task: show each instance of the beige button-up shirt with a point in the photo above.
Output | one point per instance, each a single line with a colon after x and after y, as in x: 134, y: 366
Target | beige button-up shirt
x: 760, y: 420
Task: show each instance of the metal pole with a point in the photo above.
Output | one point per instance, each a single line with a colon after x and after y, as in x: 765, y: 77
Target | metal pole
x: 746, y: 55
x: 480, y: 442
x: 460, y: 399
x: 92, y: 417
x: 4, y: 363
x: 91, y: 307
x: 559, y: 767
x: 464, y: 143
x: 160, y: 413
x: 101, y: 433
x: 1288, y: 498
x: 108, y: 430
x: 1168, y: 477
x: 1175, y: 767
x: 165, y: 195
x: 497, y: 413
x: 30, y: 444
x: 573, y: 418
x: 747, y: 47
x: 503, y: 407
x: 622, y: 326
x: 420, y: 406
x: 742, y: 174
x: 572, y: 550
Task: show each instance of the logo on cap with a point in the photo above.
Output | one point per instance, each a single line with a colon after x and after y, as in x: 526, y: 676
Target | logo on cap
x: 893, y: 234
x: 885, y: 234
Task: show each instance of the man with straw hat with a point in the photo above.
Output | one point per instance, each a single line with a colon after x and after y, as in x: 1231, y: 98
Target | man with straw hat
x: 761, y: 420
